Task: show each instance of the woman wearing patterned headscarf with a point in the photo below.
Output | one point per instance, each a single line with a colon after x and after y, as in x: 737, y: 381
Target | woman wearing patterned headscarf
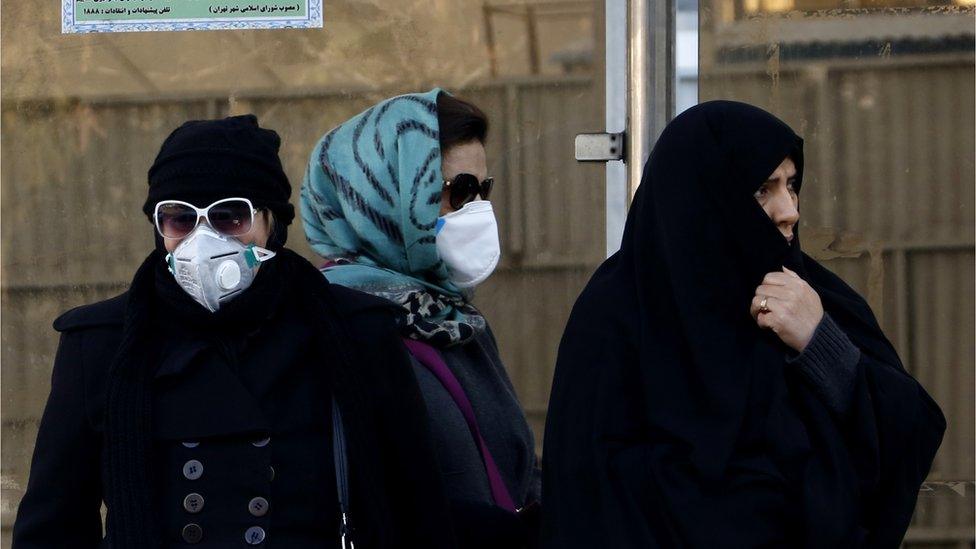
x: 396, y: 200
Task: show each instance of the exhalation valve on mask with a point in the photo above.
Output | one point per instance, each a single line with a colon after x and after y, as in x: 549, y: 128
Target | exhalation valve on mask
x: 213, y: 268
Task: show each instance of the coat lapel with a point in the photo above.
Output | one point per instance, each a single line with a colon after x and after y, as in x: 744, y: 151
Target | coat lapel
x: 197, y: 395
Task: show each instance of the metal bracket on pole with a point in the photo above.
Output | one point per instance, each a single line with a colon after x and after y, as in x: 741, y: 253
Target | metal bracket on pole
x: 599, y: 147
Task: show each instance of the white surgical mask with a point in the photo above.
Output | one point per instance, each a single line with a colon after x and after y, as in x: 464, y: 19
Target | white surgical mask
x: 214, y: 268
x: 467, y: 241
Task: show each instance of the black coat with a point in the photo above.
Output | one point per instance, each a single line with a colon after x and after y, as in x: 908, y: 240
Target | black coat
x: 242, y: 443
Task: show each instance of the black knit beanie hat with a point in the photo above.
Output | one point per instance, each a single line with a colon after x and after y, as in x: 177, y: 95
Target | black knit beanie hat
x: 203, y: 161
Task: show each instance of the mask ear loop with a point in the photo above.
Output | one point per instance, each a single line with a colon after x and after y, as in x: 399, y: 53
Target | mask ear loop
x: 255, y: 255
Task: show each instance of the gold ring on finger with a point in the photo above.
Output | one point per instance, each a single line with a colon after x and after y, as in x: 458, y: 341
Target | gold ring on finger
x: 762, y: 305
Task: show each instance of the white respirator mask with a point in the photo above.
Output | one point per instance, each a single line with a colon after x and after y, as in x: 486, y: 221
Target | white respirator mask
x: 214, y: 268
x: 467, y: 241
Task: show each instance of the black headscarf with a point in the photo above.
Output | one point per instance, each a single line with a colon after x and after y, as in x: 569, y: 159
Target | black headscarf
x: 675, y: 421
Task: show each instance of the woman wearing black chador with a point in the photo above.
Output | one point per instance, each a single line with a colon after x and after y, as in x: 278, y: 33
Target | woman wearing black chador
x: 200, y: 406
x: 715, y: 386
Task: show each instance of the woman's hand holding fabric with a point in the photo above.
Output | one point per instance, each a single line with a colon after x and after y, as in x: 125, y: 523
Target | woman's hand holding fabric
x: 793, y: 308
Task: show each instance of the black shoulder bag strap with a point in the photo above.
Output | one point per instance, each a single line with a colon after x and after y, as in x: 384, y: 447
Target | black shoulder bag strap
x: 342, y: 479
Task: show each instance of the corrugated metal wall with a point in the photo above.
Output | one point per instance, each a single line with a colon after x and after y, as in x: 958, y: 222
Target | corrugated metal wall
x: 888, y: 201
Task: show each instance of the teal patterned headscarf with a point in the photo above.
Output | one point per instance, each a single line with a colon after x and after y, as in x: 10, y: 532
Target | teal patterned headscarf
x: 370, y: 202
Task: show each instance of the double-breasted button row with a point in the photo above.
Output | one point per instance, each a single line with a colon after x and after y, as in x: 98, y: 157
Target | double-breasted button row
x: 193, y: 503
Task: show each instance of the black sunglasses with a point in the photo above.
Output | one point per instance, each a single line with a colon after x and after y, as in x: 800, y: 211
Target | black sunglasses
x: 464, y: 187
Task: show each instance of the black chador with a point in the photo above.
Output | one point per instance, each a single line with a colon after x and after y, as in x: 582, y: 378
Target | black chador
x: 675, y: 421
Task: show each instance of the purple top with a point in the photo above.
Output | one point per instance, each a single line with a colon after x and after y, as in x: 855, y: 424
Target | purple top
x: 431, y: 359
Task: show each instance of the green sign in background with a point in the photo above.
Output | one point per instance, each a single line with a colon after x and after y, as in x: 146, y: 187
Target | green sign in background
x: 93, y: 11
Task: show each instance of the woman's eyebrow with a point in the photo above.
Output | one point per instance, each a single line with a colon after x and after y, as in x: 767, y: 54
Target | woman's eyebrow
x: 774, y: 179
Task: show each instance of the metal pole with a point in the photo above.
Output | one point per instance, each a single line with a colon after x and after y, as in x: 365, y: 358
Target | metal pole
x: 640, y: 88
x: 650, y: 75
x: 617, y: 194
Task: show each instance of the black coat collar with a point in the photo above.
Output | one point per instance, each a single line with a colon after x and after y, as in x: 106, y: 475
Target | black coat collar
x: 197, y: 395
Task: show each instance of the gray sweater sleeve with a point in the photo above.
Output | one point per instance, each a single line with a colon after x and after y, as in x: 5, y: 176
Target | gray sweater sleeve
x: 829, y: 364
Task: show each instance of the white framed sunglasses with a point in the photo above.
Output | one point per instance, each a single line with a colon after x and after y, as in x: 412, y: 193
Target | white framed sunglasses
x: 228, y: 216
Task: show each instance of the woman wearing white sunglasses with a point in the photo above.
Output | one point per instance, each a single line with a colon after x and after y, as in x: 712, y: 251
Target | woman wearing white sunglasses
x: 231, y: 396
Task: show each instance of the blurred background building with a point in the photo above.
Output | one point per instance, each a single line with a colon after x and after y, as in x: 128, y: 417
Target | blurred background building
x: 882, y: 91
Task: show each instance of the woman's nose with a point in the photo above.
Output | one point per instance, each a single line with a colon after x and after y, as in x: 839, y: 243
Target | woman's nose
x: 785, y: 211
